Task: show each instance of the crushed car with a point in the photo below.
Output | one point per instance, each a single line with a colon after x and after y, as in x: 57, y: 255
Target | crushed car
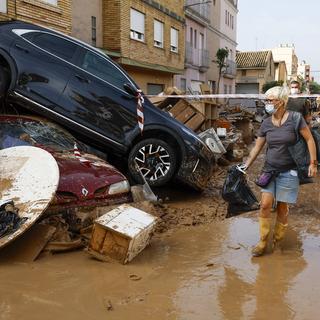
x: 82, y: 89
x: 85, y: 179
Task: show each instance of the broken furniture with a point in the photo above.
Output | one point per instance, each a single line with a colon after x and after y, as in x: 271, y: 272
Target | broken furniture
x: 121, y: 234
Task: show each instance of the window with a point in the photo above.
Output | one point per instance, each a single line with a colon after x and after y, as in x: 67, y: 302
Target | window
x: 230, y: 89
x: 158, y: 34
x: 225, y: 89
x: 183, y: 84
x: 53, y: 2
x: 201, y: 41
x: 244, y: 73
x: 136, y: 25
x: 226, y: 17
x: 232, y: 22
x: 103, y: 69
x: 195, y: 39
x: 191, y: 37
x: 174, y: 40
x: 154, y: 89
x: 3, y: 6
x: 94, y: 31
x: 58, y: 46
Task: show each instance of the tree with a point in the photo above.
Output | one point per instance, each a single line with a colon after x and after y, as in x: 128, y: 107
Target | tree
x: 221, y: 55
x: 271, y: 84
x: 314, y: 87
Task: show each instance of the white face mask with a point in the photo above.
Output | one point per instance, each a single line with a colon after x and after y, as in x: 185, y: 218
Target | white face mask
x: 270, y: 109
x: 294, y: 90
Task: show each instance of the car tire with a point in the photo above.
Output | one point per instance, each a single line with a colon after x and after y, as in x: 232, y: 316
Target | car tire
x: 156, y: 160
x: 4, y: 82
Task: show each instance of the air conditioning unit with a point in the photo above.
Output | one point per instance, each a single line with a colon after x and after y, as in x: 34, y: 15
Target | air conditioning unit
x: 211, y: 139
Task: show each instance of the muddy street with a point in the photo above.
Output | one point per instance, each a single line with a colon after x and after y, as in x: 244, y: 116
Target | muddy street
x: 198, y: 266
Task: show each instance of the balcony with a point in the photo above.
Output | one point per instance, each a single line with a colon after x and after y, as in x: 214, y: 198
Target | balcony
x: 201, y: 10
x: 231, y: 69
x: 197, y: 57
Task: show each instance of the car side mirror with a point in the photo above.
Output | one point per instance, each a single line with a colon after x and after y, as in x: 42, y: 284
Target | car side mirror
x: 129, y: 88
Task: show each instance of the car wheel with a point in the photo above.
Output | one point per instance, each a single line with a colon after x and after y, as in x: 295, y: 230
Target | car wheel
x: 156, y: 161
x: 4, y: 82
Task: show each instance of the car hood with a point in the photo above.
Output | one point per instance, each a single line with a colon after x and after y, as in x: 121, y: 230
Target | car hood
x: 83, y: 179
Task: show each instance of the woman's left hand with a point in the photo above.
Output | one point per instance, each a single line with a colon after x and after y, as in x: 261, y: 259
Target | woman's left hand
x: 313, y: 169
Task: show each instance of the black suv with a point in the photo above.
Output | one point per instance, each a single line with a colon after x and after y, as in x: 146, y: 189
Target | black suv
x: 81, y: 88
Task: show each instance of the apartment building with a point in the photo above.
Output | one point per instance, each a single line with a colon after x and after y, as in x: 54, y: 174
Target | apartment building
x: 304, y: 71
x: 55, y: 14
x: 254, y: 69
x: 222, y: 33
x: 196, y: 53
x: 286, y: 52
x: 145, y: 37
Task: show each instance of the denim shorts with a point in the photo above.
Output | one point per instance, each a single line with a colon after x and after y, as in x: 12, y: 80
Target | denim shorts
x: 284, y: 187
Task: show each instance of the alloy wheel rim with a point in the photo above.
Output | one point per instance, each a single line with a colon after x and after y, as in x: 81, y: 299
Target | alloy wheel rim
x: 153, y: 161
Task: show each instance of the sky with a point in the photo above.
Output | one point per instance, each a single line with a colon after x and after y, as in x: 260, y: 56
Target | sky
x: 266, y: 24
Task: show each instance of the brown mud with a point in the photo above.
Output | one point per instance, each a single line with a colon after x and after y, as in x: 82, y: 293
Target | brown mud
x: 198, y: 266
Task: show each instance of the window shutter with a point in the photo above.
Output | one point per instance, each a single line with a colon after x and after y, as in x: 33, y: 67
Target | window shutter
x: 158, y: 31
x: 174, y: 37
x: 137, y: 21
x: 3, y: 6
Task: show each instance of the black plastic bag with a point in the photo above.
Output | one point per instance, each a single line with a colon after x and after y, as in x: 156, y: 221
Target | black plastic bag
x: 238, y: 194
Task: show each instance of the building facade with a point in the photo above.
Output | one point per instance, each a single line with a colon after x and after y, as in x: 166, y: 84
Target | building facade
x: 304, y: 72
x: 54, y: 14
x: 196, y: 53
x: 147, y: 38
x: 222, y: 33
x: 254, y: 69
x: 286, y: 52
x: 87, y: 21
x: 280, y: 71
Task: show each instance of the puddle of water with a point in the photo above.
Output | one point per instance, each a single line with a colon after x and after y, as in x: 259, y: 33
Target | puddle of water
x: 198, y: 273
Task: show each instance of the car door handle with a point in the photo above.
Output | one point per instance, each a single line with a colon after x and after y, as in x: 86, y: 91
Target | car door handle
x: 82, y: 79
x: 18, y: 46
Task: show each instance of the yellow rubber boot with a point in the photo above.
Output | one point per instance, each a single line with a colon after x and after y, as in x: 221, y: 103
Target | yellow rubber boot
x: 279, y: 232
x: 264, y: 228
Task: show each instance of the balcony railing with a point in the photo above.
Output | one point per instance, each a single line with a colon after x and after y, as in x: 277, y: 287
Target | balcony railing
x: 197, y: 57
x: 231, y: 69
x: 200, y: 9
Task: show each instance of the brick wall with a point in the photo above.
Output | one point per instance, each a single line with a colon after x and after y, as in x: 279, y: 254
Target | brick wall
x: 117, y: 31
x: 39, y: 12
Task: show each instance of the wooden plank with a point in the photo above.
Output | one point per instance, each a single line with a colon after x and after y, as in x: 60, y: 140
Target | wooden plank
x: 98, y: 235
x: 28, y: 247
x: 195, y: 122
x: 186, y: 114
x: 178, y: 108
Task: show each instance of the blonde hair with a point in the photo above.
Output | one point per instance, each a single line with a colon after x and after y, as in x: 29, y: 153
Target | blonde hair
x: 280, y: 93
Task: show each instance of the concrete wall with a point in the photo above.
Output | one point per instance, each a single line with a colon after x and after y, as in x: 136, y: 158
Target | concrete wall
x: 82, y: 11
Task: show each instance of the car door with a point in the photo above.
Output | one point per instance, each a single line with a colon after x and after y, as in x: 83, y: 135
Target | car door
x: 95, y: 97
x: 44, y: 65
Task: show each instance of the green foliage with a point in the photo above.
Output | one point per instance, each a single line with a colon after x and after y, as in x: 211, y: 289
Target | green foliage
x: 314, y: 87
x: 271, y: 84
x: 221, y: 55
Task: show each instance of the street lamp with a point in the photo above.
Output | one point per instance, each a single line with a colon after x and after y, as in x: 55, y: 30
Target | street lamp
x: 194, y: 4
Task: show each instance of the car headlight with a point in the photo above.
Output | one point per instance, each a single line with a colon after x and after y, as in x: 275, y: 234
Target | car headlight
x: 119, y: 187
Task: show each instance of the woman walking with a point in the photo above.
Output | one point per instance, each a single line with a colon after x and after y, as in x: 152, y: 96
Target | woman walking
x: 278, y: 131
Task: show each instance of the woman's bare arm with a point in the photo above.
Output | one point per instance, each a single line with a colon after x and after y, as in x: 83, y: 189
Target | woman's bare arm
x: 255, y: 151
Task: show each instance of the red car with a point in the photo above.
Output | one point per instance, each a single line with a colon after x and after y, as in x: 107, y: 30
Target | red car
x: 85, y: 179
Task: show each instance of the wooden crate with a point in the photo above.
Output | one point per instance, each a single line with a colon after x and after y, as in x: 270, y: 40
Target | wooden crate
x: 186, y: 113
x: 121, y: 234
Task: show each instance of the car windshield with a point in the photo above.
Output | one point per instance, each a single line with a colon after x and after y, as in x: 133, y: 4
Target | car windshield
x: 31, y: 133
